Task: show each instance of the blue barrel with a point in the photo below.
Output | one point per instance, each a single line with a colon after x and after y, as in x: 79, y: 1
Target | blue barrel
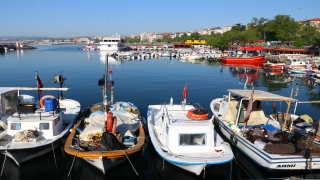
x: 50, y: 104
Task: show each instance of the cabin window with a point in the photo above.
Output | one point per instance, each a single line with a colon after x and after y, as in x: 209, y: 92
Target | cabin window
x: 15, y: 126
x: 192, y: 139
x: 44, y: 126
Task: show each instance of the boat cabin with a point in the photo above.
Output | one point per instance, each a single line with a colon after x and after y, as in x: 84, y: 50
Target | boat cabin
x: 190, y: 136
x: 182, y: 135
x: 20, y: 112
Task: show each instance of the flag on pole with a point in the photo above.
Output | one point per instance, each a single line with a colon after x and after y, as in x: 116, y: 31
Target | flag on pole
x: 39, y: 83
x: 110, y: 71
x: 185, y: 92
x: 249, y: 108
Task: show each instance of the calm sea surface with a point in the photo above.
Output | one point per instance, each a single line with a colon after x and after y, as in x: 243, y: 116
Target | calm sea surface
x: 142, y: 82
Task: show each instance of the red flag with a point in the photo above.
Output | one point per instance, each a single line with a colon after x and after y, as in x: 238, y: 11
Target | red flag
x: 39, y: 83
x: 110, y: 71
x: 249, y: 108
x: 185, y: 92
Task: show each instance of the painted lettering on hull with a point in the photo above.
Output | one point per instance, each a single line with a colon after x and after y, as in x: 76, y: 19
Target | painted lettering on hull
x: 286, y: 166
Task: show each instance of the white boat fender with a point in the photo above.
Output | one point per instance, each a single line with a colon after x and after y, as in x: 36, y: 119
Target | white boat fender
x: 3, y: 125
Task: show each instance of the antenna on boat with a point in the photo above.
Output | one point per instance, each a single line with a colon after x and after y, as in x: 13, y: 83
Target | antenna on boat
x: 59, y: 79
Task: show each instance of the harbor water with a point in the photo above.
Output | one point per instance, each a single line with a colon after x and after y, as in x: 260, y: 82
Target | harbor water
x: 143, y: 82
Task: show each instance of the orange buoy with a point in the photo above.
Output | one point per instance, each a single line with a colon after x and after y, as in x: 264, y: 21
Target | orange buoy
x: 109, y: 122
x: 198, y: 114
x: 45, y: 97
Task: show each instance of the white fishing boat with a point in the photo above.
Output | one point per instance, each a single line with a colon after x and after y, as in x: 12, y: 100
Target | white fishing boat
x: 298, y: 70
x: 266, y: 141
x: 31, y: 129
x: 184, y: 136
x: 165, y: 54
x: 112, y: 43
x: 191, y: 57
x: 295, y: 63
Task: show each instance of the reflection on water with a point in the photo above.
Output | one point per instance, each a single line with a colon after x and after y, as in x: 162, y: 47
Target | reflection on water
x: 20, y: 53
x: 103, y: 57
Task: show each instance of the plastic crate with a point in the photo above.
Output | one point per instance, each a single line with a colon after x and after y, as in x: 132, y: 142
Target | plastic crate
x: 26, y: 108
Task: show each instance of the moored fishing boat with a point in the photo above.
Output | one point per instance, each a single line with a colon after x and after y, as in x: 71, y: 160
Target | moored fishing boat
x: 272, y: 145
x: 297, y: 70
x: 31, y: 129
x: 250, y: 55
x: 274, y: 65
x: 107, y: 133
x: 295, y: 64
x: 184, y: 136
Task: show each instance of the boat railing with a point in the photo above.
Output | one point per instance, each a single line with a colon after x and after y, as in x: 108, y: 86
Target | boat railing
x: 167, y: 115
x: 37, y: 89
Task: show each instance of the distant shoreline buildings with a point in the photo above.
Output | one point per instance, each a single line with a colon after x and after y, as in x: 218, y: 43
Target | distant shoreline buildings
x: 146, y: 37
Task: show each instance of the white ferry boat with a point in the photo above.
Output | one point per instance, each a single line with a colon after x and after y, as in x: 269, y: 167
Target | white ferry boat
x: 112, y: 43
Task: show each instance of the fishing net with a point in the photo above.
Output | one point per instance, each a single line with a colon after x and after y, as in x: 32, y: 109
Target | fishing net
x: 24, y: 135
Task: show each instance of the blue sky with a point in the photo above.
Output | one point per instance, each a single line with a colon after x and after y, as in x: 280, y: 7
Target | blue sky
x: 73, y: 18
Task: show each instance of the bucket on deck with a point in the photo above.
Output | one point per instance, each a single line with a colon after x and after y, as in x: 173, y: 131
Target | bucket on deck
x: 50, y: 104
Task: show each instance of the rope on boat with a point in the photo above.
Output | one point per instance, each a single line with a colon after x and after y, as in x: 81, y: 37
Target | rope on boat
x: 231, y: 170
x: 204, y: 169
x: 233, y: 157
x: 131, y: 164
x: 5, y: 157
x: 309, y: 163
x: 163, y: 162
x: 55, y: 161
x: 72, y: 163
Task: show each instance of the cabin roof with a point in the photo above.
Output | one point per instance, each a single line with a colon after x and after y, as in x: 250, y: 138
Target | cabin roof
x: 258, y: 95
x: 4, y: 89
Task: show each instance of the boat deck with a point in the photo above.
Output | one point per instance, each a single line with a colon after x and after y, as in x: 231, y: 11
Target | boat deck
x: 292, y: 149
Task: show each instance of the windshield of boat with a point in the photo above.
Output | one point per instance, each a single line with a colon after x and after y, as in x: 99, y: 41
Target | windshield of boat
x: 192, y: 139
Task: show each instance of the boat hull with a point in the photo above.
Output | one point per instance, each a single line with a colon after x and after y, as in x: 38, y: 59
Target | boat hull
x: 243, y: 60
x: 105, y: 164
x: 21, y: 156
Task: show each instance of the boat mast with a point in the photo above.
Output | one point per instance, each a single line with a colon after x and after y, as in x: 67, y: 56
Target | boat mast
x: 105, y: 85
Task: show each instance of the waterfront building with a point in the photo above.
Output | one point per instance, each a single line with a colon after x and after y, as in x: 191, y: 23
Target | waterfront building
x: 315, y: 22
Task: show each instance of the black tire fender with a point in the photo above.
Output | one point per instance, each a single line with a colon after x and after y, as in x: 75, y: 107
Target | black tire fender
x: 233, y: 139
